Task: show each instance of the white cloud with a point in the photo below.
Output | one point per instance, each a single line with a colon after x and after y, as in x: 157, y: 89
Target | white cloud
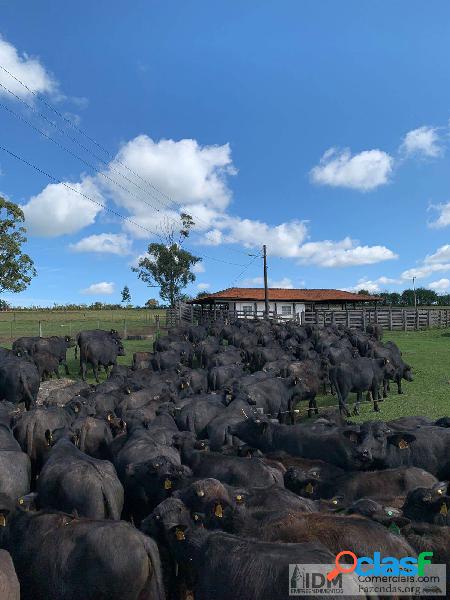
x: 344, y: 253
x: 375, y: 285
x: 423, y: 140
x: 198, y: 268
x: 27, y: 69
x: 441, y: 285
x: 58, y: 210
x: 194, y: 176
x: 441, y: 255
x: 285, y: 282
x: 443, y: 219
x: 182, y: 172
x: 424, y: 270
x: 107, y: 243
x: 202, y: 287
x: 288, y: 240
x: 282, y: 240
x: 437, y: 262
x: 364, y: 171
x: 104, y: 288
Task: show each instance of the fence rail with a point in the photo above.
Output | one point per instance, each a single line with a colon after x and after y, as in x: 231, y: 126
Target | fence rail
x: 392, y: 319
x: 128, y: 324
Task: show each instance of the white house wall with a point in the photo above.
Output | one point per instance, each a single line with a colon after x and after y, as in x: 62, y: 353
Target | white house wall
x: 296, y: 307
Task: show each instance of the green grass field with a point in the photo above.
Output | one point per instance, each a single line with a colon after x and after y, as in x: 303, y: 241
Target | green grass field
x: 429, y: 394
x: 14, y: 324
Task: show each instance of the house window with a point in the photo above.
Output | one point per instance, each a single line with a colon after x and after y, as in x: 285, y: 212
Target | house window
x: 286, y: 311
x: 247, y: 309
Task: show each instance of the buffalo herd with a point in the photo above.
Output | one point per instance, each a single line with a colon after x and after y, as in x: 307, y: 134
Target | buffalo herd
x: 191, y: 475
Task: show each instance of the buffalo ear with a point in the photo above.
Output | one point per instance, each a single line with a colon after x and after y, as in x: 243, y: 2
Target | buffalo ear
x: 441, y: 487
x: 401, y: 440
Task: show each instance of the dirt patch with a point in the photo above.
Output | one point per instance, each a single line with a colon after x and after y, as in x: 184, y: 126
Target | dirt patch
x: 52, y: 384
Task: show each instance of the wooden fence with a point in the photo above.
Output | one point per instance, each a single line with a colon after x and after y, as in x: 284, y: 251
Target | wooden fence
x: 392, y: 319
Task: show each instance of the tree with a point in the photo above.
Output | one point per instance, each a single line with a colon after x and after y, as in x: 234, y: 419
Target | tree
x: 168, y: 266
x: 152, y: 303
x: 16, y: 267
x: 126, y: 296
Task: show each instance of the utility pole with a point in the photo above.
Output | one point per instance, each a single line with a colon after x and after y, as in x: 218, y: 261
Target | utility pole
x: 415, y: 296
x: 266, y: 291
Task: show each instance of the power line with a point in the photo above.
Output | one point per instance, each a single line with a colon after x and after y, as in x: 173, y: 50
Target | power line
x: 100, y: 146
x: 236, y: 279
x: 110, y: 210
x: 85, y: 162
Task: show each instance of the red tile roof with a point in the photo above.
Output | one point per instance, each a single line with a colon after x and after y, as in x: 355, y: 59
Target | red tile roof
x: 286, y: 295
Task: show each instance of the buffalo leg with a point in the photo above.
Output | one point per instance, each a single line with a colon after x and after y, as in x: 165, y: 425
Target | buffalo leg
x: 357, y: 403
x: 376, y: 408
x: 95, y: 369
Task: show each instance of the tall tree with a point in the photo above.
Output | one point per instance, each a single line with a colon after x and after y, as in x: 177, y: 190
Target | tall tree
x: 168, y: 266
x: 16, y: 267
x: 126, y: 295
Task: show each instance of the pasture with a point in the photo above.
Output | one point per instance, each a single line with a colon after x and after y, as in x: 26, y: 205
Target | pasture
x: 127, y: 321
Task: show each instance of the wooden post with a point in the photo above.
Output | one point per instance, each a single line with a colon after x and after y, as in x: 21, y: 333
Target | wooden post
x: 429, y: 318
x: 40, y: 328
x: 124, y: 329
x: 348, y: 317
x: 390, y: 319
x: 404, y: 319
x: 363, y: 319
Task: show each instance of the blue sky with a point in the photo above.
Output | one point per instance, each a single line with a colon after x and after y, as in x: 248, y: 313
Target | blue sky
x: 319, y: 128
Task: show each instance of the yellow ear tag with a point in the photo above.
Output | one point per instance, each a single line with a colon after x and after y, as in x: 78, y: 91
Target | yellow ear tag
x: 167, y: 484
x: 76, y: 409
x: 239, y: 498
x: 179, y: 533
x: 444, y: 509
x: 200, y: 493
x: 2, y: 521
x: 403, y: 444
x: 334, y: 501
x: 309, y: 488
x: 218, y: 511
x: 21, y: 500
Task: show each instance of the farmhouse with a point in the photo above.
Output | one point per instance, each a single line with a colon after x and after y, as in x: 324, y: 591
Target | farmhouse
x: 282, y: 302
